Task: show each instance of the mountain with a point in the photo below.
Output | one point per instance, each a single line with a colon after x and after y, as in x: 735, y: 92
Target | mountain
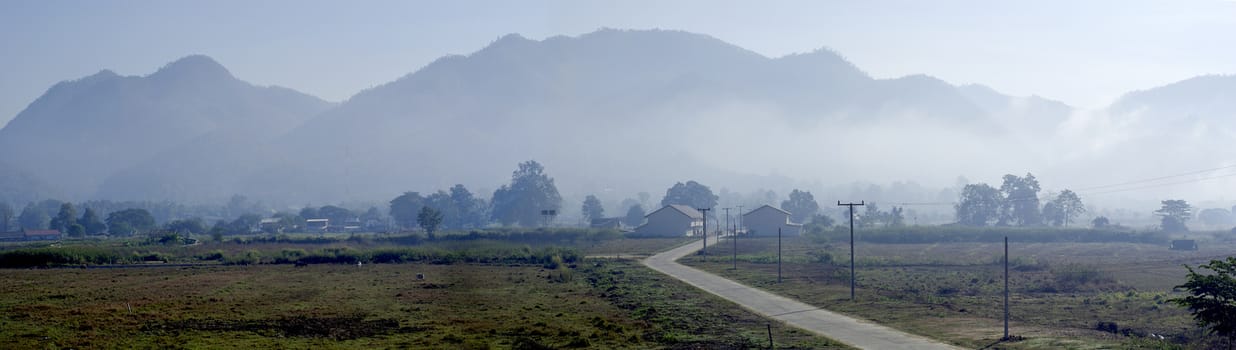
x: 623, y: 110
x: 80, y: 133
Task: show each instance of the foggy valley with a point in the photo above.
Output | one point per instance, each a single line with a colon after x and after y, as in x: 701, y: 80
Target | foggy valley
x: 685, y: 175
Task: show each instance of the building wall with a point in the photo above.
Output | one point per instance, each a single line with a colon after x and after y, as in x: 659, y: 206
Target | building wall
x: 764, y: 222
x: 668, y: 223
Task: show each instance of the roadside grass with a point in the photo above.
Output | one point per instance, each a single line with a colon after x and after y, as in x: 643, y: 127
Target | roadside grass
x: 1062, y: 293
x: 598, y: 304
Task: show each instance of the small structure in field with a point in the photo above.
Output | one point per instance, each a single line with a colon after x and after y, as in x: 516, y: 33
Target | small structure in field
x: 765, y: 220
x: 606, y: 223
x: 673, y: 220
x: 1184, y: 244
x: 42, y: 235
x: 420, y: 277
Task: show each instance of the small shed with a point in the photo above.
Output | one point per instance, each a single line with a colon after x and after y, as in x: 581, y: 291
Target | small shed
x: 606, y: 223
x: 1184, y: 244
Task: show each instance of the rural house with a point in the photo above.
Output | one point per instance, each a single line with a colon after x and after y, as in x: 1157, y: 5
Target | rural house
x: 672, y: 221
x: 765, y: 220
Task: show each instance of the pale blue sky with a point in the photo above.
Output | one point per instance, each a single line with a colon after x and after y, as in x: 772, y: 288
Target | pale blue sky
x: 1085, y: 53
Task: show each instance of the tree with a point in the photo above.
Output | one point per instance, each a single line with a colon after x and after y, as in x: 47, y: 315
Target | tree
x: 1215, y: 217
x: 336, y: 215
x: 33, y: 218
x: 691, y: 194
x: 896, y: 217
x: 531, y: 191
x: 67, y: 216
x: 76, y: 231
x: 129, y: 221
x: 1020, y: 205
x: 1061, y: 210
x: 471, y: 209
x: 592, y: 208
x: 91, y: 222
x: 1175, y: 213
x: 979, y: 205
x: 245, y: 223
x: 6, y: 216
x: 1100, y: 222
x: 309, y: 213
x: 429, y: 219
x: 405, y: 208
x: 871, y: 216
x: 635, y: 216
x: 822, y: 220
x: 801, y: 205
x: 1212, y: 297
x: 193, y: 225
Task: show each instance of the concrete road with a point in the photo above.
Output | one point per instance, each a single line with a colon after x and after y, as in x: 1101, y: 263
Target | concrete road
x: 848, y: 330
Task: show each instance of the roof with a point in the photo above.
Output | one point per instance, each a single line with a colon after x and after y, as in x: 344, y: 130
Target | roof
x: 317, y: 220
x: 42, y: 232
x: 684, y: 210
x: 769, y: 207
x: 270, y: 221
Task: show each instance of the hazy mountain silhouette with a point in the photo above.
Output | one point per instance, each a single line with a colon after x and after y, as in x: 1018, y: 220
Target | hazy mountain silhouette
x: 81, y: 132
x: 612, y: 110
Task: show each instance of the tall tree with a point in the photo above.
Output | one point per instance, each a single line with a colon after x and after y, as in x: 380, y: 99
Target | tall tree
x: 65, y: 218
x: 979, y: 205
x: 1212, y: 297
x: 130, y: 221
x: 1021, y: 201
x: 691, y: 194
x: 6, y: 216
x: 1215, y: 217
x: 531, y: 191
x: 405, y: 207
x: 429, y: 219
x: 635, y: 216
x: 1175, y: 213
x: 91, y: 223
x: 310, y: 213
x: 896, y: 217
x: 592, y: 208
x: 471, y: 209
x: 245, y: 223
x: 801, y: 205
x: 1063, y: 209
x: 33, y: 218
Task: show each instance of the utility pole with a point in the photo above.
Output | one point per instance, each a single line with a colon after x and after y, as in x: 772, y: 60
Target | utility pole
x: 778, y: 255
x: 739, y: 219
x: 1006, y: 288
x: 704, y: 211
x: 851, y: 205
x: 727, y: 225
x: 734, y: 237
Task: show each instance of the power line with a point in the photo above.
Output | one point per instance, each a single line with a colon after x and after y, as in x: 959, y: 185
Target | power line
x: 1156, y: 178
x: 1161, y: 185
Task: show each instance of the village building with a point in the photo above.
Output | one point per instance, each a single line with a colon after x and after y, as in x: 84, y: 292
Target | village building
x: 672, y: 221
x: 765, y: 220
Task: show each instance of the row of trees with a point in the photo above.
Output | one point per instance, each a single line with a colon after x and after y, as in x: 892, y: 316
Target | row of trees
x: 1016, y: 203
x: 34, y: 217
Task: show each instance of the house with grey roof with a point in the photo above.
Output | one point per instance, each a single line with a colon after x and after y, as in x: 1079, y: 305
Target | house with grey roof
x: 765, y: 220
x: 673, y: 220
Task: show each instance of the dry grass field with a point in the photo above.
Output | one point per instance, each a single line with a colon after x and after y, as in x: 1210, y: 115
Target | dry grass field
x: 1062, y: 294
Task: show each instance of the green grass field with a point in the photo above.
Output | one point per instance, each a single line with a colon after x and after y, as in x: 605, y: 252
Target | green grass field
x: 953, y: 292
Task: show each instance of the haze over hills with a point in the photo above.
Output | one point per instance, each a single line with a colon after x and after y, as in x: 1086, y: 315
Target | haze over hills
x: 613, y: 110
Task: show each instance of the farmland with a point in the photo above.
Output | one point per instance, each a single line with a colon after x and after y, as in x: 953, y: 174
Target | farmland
x: 1070, y: 295
x: 476, y: 294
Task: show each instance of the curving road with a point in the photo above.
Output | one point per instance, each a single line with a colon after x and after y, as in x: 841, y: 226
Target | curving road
x: 848, y: 330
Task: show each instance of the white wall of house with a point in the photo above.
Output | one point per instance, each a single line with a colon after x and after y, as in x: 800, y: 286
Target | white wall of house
x: 669, y: 222
x: 765, y: 220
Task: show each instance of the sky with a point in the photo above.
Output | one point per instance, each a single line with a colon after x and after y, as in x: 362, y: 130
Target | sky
x: 1084, y: 53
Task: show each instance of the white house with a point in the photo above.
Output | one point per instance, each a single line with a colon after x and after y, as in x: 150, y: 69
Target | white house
x: 672, y: 221
x: 765, y: 220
